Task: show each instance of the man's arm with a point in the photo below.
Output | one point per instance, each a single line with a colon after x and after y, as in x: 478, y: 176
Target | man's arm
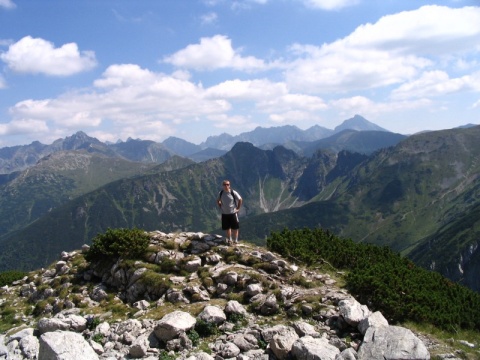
x: 239, y: 205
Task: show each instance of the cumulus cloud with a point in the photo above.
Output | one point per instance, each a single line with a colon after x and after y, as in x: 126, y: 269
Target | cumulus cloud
x: 23, y: 126
x: 247, y: 89
x: 371, y: 109
x: 429, y: 30
x: 35, y: 55
x: 437, y: 83
x: 124, y: 97
x: 214, y: 53
x: 396, y: 49
x: 329, y: 4
x: 292, y: 102
x: 7, y: 4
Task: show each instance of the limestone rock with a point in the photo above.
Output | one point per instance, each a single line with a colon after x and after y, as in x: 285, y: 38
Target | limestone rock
x: 352, y: 311
x: 172, y: 324
x: 308, y: 347
x: 65, y: 345
x: 391, y: 343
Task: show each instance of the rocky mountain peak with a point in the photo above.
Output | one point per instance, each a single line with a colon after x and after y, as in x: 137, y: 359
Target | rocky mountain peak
x: 194, y: 296
x: 358, y: 123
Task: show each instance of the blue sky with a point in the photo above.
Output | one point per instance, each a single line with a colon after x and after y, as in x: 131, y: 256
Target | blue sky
x: 151, y: 69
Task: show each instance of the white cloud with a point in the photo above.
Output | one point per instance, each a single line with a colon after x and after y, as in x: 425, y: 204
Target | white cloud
x: 336, y: 68
x: 292, y: 117
x: 214, y: 53
x: 232, y: 122
x: 210, y: 18
x: 23, y: 126
x: 247, y: 89
x: 396, y: 49
x: 3, y: 84
x: 7, y: 4
x: 429, y: 30
x: 292, y: 102
x: 437, y: 83
x: 329, y: 4
x: 371, y: 109
x: 35, y: 55
x: 130, y: 100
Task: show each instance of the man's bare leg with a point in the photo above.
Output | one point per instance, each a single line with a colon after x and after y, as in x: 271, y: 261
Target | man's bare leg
x: 235, y: 235
x: 229, y: 235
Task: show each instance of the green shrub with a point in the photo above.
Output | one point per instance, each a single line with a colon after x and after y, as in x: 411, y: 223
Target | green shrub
x: 164, y: 355
x: 206, y: 329
x: 194, y: 337
x: 40, y: 307
x: 115, y: 243
x: 98, y: 338
x: 92, y: 322
x: 383, y: 279
x: 7, y: 277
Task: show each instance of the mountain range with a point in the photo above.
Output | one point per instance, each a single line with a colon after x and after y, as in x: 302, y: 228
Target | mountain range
x: 18, y: 158
x: 418, y: 195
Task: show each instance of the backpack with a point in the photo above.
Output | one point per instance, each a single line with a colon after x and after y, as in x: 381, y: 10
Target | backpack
x: 233, y: 195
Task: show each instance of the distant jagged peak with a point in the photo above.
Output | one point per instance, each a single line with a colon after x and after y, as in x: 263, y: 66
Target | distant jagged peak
x: 358, y: 123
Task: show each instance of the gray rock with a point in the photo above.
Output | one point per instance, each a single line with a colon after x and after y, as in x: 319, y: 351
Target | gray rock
x: 245, y: 342
x: 140, y: 346
x: 193, y: 265
x: 307, y: 348
x: 352, y: 311
x: 29, y: 345
x: 46, y: 325
x: 303, y: 328
x: 282, y: 343
x: 347, y: 354
x: 172, y: 324
x: 228, y: 350
x: 234, y: 307
x: 270, y: 332
x: 254, y: 289
x: 212, y: 314
x: 65, y: 345
x: 376, y: 319
x: 200, y: 356
x: 392, y: 343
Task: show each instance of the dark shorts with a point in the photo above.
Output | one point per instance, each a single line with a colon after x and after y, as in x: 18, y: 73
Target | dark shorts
x: 230, y: 221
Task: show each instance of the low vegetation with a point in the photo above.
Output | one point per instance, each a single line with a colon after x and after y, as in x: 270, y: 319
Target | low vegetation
x: 116, y: 243
x: 7, y: 277
x: 383, y: 279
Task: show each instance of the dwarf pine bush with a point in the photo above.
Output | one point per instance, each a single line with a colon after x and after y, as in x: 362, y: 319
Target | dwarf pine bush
x: 385, y: 280
x: 115, y: 243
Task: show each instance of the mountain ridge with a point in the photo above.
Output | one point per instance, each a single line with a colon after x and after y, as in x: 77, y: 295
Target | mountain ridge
x: 21, y: 157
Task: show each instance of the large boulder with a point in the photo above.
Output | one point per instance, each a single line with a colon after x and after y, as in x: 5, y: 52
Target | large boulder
x: 281, y: 343
x: 172, y: 324
x: 352, y: 311
x: 374, y: 320
x: 392, y: 343
x: 212, y: 314
x: 65, y: 345
x: 307, y: 348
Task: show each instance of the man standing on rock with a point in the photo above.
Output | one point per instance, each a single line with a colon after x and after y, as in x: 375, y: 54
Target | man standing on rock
x: 229, y: 201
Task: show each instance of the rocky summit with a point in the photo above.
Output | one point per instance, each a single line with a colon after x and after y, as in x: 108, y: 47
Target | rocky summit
x: 195, y: 296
